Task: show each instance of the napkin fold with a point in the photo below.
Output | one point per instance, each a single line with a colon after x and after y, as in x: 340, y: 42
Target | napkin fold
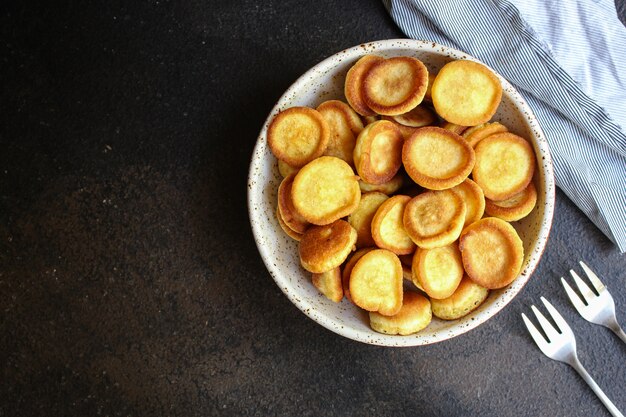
x: 568, y: 61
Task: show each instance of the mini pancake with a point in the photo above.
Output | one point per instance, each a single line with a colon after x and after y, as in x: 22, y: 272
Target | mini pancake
x: 438, y: 271
x: 285, y: 169
x: 291, y: 233
x: 492, y: 252
x: 287, y: 211
x: 409, y: 122
x: 378, y: 152
x: 466, y: 93
x: 388, y: 187
x: 434, y: 218
x: 325, y: 190
x: 504, y: 166
x: 347, y: 269
x: 387, y: 227
x: 361, y: 218
x: 354, y: 84
x: 345, y: 124
x: 323, y: 248
x: 369, y: 119
x: 329, y: 284
x: 516, y: 207
x: 454, y: 128
x: 474, y: 200
x: 436, y: 158
x: 395, y: 85
x: 467, y: 297
x: 475, y: 134
x: 298, y: 135
x: 420, y: 116
x: 406, y: 261
x: 407, y: 269
x: 414, y: 315
x: 405, y: 130
x: 429, y: 89
x: 376, y: 282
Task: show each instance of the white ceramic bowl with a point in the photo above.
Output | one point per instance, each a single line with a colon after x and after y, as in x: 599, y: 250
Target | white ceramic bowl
x: 325, y: 81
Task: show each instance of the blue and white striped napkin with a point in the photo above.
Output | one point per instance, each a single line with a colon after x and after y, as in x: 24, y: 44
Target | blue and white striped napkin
x: 568, y: 60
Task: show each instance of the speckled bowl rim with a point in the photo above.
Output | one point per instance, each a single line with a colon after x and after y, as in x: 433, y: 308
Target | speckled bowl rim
x: 474, y: 319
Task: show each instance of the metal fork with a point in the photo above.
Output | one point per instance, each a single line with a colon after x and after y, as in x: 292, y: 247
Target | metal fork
x: 597, y: 309
x: 561, y: 346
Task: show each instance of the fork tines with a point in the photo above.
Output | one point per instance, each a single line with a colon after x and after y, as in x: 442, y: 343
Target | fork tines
x: 587, y: 293
x: 550, y: 331
x: 599, y: 286
x: 596, y: 308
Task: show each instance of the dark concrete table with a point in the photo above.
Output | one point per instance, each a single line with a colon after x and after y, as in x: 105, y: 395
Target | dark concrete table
x: 129, y: 280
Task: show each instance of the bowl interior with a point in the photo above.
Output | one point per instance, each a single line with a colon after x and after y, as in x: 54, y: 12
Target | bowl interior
x: 325, y: 81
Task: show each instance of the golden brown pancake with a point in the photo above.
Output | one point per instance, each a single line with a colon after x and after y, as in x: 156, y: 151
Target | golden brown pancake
x: 428, y: 96
x: 504, y: 166
x: 467, y: 297
x: 466, y: 93
x: 514, y: 208
x: 414, y: 315
x: 438, y: 271
x: 475, y: 134
x: 323, y: 248
x: 395, y: 85
x: 474, y: 200
x: 285, y: 169
x: 325, y: 190
x: 453, y: 127
x: 388, y: 228
x: 492, y: 252
x: 361, y: 218
x: 378, y: 152
x: 298, y: 135
x: 376, y: 282
x: 437, y: 158
x: 344, y: 124
x: 388, y: 187
x: 434, y: 218
x: 353, y: 88
x: 347, y: 269
x: 409, y: 122
x: 329, y: 284
x: 291, y: 233
x: 286, y: 209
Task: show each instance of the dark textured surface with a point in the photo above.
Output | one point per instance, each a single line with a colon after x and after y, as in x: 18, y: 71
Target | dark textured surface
x: 129, y: 280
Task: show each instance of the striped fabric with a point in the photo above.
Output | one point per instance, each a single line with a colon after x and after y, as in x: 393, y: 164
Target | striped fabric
x: 587, y: 144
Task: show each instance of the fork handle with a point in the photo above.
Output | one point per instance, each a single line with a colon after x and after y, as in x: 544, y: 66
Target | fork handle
x: 589, y: 380
x: 619, y: 332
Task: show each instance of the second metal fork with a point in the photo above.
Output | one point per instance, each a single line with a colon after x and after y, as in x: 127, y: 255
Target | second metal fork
x: 597, y: 309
